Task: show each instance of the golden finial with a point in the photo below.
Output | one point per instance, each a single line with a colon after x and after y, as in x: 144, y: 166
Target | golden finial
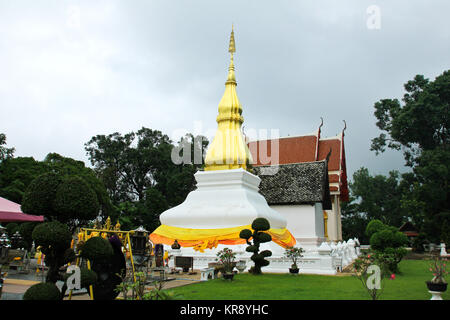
x: 232, y: 48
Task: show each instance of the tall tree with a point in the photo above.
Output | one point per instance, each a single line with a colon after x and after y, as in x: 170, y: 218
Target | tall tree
x: 373, y: 197
x: 5, y: 153
x: 420, y: 127
x: 142, y: 173
x: 128, y: 164
x: 16, y: 174
x: 421, y: 123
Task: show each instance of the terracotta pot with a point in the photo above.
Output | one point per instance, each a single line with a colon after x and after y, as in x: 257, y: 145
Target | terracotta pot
x: 440, y: 287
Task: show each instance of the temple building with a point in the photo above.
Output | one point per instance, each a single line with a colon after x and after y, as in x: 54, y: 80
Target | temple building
x: 234, y: 189
x: 309, y: 149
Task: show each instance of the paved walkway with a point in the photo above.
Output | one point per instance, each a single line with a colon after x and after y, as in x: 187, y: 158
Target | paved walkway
x: 16, y: 284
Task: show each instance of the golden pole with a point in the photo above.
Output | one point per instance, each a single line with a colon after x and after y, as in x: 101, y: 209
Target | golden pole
x: 91, y: 290
x: 131, y: 256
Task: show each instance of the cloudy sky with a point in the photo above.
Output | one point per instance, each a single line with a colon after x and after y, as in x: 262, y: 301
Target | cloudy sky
x: 70, y: 70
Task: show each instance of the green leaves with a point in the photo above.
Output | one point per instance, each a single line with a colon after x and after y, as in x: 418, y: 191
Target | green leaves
x: 262, y: 237
x: 421, y: 128
x: 67, y: 199
x: 139, y: 174
x: 42, y: 291
x: 422, y: 120
x: 97, y: 249
x: 76, y: 200
x: 258, y: 225
x: 245, y: 234
x: 40, y: 195
x: 52, y: 236
x: 5, y: 153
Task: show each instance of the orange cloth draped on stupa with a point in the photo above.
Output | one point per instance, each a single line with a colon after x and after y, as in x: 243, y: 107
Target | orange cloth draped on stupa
x: 201, y: 239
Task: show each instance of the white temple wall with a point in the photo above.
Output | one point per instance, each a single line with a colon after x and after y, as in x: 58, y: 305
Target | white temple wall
x: 305, y: 222
x: 334, y: 219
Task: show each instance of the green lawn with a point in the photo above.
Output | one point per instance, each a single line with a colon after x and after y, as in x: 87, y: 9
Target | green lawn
x: 408, y: 285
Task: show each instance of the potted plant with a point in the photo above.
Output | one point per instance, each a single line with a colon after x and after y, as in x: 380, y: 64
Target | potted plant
x: 294, y: 253
x: 438, y: 284
x: 226, y: 258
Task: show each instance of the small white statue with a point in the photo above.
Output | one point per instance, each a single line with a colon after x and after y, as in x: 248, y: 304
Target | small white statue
x: 443, y: 251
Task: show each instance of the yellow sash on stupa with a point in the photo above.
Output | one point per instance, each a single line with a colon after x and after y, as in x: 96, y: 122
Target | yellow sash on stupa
x: 201, y: 239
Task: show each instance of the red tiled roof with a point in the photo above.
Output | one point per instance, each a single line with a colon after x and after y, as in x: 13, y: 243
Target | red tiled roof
x: 324, y: 148
x: 306, y: 149
x: 291, y: 150
x: 333, y: 177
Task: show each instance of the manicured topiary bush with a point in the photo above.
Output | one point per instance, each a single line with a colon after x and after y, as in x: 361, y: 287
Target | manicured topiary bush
x: 52, y: 235
x: 374, y: 226
x: 75, y: 198
x: 108, y: 262
x: 259, y: 225
x: 87, y: 277
x: 26, y: 231
x: 39, y: 196
x: 97, y: 249
x: 387, y: 243
x: 387, y: 238
x: 54, y: 239
x: 68, y: 199
x: 42, y: 291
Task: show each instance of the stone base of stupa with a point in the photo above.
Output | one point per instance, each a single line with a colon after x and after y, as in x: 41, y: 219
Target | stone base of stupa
x: 312, y: 262
x: 230, y: 199
x: 223, y: 199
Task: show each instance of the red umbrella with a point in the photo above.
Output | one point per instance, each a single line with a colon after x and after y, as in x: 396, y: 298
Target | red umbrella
x: 10, y: 211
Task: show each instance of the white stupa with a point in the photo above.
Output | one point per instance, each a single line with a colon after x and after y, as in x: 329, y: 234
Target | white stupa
x: 226, y: 200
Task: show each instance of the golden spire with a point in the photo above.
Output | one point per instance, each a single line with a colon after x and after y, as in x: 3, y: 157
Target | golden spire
x: 232, y: 48
x: 228, y: 149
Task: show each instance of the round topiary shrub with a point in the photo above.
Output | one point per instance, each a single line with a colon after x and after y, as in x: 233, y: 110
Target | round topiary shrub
x: 26, y: 231
x: 54, y: 239
x: 387, y: 238
x: 373, y: 227
x: 42, y: 291
x: 97, y: 249
x: 39, y: 197
x: 75, y: 199
x: 245, y: 234
x: 260, y: 224
x: 87, y: 277
x: 52, y: 235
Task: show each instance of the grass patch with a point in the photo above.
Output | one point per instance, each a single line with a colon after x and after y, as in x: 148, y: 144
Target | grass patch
x: 408, y: 285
